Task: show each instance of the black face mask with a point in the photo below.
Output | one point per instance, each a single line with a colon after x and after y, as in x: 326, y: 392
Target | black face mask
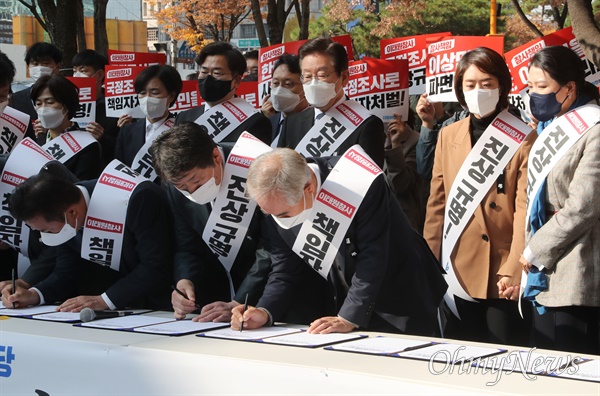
x: 213, y: 90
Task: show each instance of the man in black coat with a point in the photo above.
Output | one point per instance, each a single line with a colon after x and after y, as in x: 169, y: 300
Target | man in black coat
x: 383, y: 278
x: 221, y: 70
x: 56, y: 206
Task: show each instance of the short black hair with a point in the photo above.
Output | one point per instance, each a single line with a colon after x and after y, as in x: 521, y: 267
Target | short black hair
x: 326, y: 46
x: 168, y: 75
x: 7, y: 70
x: 181, y: 149
x: 251, y: 54
x: 43, y: 195
x: 63, y: 90
x: 90, y: 58
x: 291, y: 61
x: 43, y: 51
x: 235, y: 59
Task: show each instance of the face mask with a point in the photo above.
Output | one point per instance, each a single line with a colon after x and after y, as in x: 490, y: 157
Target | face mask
x: 284, y: 100
x: 36, y: 72
x: 205, y: 193
x: 319, y: 93
x: 482, y: 102
x: 544, y: 106
x: 153, y: 107
x: 50, y: 117
x: 79, y: 74
x: 289, y: 222
x: 213, y: 90
x: 3, y: 106
x: 64, y: 235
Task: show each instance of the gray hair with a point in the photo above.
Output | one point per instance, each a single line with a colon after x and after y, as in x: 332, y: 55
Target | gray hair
x: 280, y: 171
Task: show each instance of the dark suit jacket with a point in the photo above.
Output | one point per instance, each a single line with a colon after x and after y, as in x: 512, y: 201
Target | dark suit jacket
x: 258, y: 125
x: 22, y: 101
x: 388, y: 266
x: 274, y: 119
x: 369, y: 134
x: 195, y: 261
x: 146, y: 258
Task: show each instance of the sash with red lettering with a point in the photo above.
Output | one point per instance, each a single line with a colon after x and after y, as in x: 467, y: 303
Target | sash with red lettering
x: 336, y: 203
x: 13, y: 125
x: 232, y: 212
x: 478, y: 173
x: 107, y: 213
x: 26, y: 160
x: 142, y: 163
x: 220, y: 120
x: 332, y: 129
x: 68, y: 144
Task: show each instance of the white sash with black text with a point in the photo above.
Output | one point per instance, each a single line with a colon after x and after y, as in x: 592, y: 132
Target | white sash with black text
x: 328, y: 133
x: 480, y: 170
x: 13, y: 125
x: 142, y: 163
x: 222, y: 119
x: 66, y: 145
x: 106, y: 215
x: 25, y: 161
x: 232, y: 212
x: 335, y: 206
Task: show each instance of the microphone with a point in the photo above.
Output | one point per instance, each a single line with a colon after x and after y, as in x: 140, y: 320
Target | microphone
x: 88, y: 314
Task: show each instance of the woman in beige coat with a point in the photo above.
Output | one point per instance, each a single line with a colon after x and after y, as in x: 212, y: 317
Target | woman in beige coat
x: 563, y: 238
x: 485, y: 258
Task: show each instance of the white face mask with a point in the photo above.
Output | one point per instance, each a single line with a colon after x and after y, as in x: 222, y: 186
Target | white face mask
x: 482, y: 102
x: 284, y: 100
x: 79, y: 74
x: 319, y: 93
x: 153, y: 107
x: 50, y: 117
x: 64, y: 235
x: 3, y: 106
x: 36, y: 72
x: 289, y: 222
x: 205, y: 193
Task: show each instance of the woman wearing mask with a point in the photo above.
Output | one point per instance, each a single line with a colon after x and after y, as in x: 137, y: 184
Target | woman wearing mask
x: 56, y: 101
x: 157, y: 87
x: 563, y: 227
x: 485, y: 257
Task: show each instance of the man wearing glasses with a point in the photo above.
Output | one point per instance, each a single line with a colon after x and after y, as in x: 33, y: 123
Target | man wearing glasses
x: 335, y: 123
x: 223, y: 115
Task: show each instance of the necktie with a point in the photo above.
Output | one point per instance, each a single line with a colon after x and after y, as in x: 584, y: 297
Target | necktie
x: 320, y: 115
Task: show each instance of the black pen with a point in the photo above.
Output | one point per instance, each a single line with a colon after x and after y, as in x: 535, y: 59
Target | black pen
x: 184, y: 296
x: 244, y: 311
x: 14, y: 284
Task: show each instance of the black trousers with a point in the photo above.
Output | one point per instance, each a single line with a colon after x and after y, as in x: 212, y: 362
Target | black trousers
x: 491, y: 320
x: 573, y: 329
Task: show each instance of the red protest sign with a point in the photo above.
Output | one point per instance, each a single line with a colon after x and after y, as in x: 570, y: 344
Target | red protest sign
x: 132, y: 58
x: 267, y: 57
x: 120, y: 94
x: 87, y: 100
x: 188, y: 98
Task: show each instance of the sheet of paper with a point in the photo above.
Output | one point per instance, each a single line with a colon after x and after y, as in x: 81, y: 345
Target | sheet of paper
x: 250, y: 335
x: 450, y: 353
x: 59, y: 316
x: 529, y: 361
x: 179, y: 327
x: 379, y: 345
x: 22, y: 312
x: 125, y: 322
x: 304, y: 339
x: 587, y: 371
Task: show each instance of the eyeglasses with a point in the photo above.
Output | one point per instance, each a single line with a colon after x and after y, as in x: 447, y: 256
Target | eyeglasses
x: 288, y: 84
x: 307, y: 78
x: 215, y: 73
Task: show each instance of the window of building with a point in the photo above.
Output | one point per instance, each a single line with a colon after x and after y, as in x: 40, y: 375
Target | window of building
x: 249, y: 31
x: 153, y: 34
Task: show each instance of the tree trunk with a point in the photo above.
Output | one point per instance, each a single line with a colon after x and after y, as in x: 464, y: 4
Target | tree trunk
x: 585, y: 29
x: 81, y: 44
x: 258, y: 22
x: 305, y: 19
x: 61, y: 25
x: 100, y: 34
x: 276, y: 20
x: 524, y: 18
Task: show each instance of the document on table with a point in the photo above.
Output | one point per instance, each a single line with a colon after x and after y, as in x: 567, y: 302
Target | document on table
x: 588, y: 370
x: 450, y: 353
x: 379, y: 345
x: 125, y: 322
x: 59, y: 316
x: 307, y: 340
x: 180, y: 327
x: 529, y: 362
x: 30, y: 311
x: 249, y: 335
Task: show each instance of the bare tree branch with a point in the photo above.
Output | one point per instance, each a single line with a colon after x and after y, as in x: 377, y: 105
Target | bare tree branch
x: 526, y: 20
x: 33, y: 8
